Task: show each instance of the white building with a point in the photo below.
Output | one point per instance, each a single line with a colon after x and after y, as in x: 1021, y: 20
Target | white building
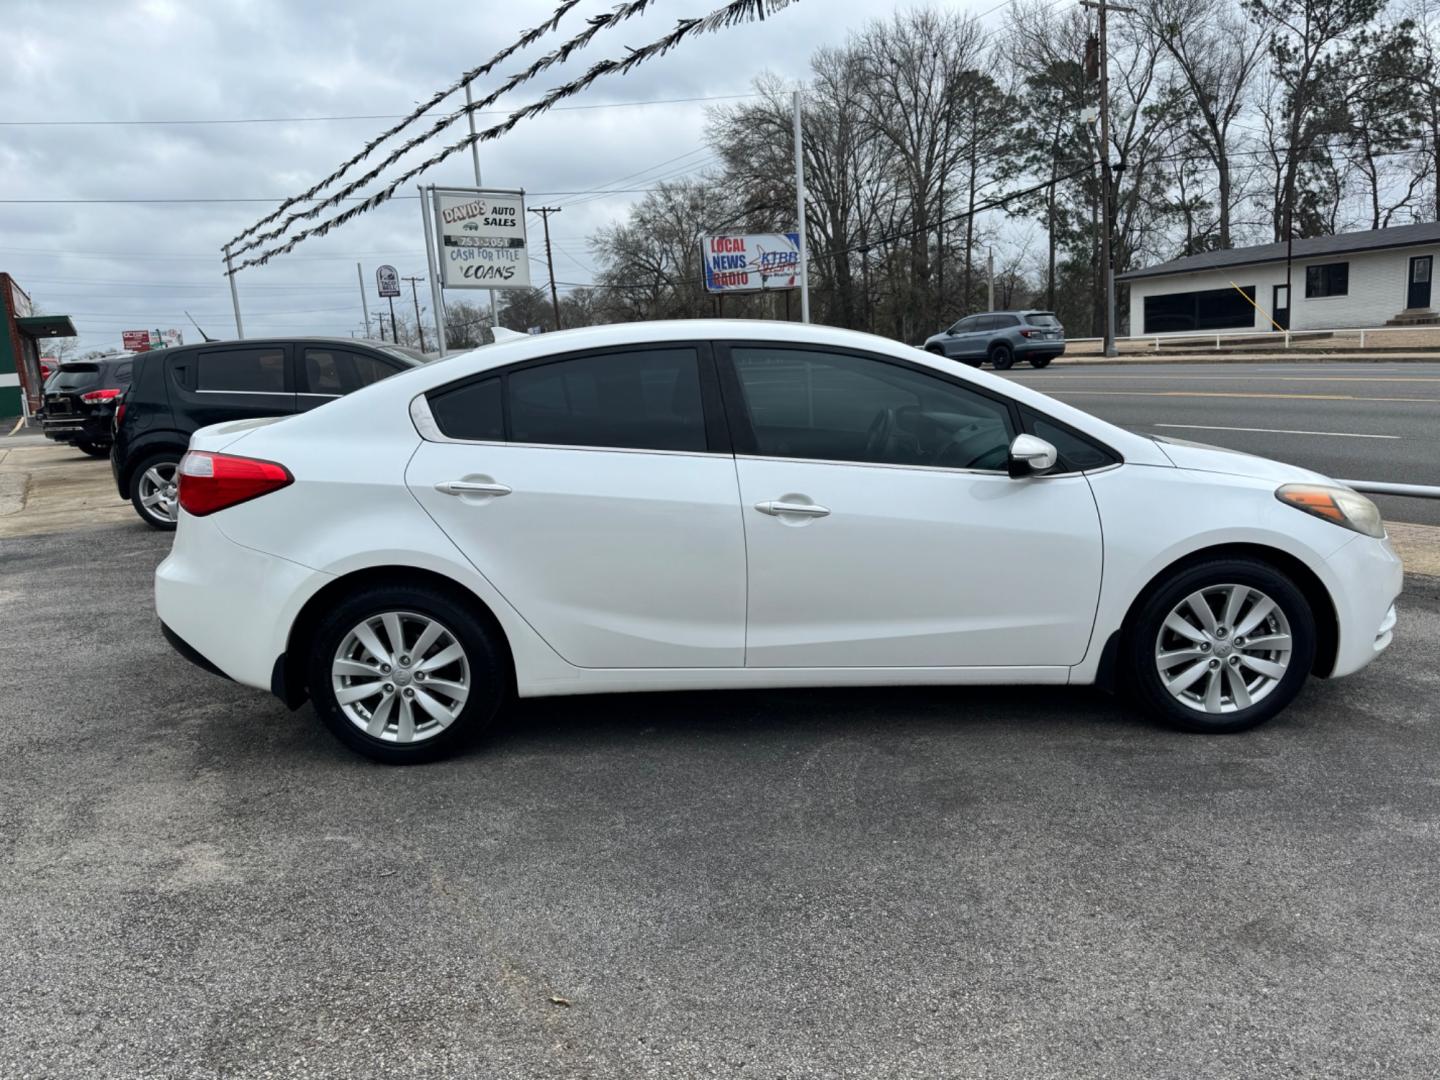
x: 1358, y: 279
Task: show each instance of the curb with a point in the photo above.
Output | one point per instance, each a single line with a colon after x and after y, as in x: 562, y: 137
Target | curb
x: 1291, y: 357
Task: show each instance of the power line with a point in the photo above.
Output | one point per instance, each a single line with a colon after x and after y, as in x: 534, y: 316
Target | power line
x: 357, y: 116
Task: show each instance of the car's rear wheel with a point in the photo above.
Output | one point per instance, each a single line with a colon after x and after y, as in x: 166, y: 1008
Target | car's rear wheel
x: 405, y: 674
x: 1040, y: 361
x: 1002, y: 356
x: 94, y: 449
x: 1221, y: 647
x: 155, y: 491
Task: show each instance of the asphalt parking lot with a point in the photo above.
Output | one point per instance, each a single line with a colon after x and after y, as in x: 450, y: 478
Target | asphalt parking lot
x: 969, y: 883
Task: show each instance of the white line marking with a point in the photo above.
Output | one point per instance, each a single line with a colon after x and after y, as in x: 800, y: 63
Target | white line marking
x: 1278, y: 431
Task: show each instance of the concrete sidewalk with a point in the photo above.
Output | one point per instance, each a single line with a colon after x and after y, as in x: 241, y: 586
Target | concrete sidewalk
x: 49, y: 488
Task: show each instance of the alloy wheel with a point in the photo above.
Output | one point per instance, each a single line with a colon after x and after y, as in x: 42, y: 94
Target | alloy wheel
x: 159, y: 491
x: 1223, y: 649
x: 400, y: 677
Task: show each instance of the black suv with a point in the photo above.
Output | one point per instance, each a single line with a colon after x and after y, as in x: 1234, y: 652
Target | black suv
x: 176, y: 391
x: 80, y: 399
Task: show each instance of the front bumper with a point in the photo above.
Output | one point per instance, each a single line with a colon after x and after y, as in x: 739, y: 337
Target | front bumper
x: 1366, y: 578
x: 230, y: 605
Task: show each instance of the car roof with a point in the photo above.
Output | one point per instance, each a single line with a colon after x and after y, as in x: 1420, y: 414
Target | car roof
x: 398, y: 351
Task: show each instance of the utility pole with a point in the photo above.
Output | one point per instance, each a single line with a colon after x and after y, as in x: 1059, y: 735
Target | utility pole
x: 394, y: 334
x: 800, y: 210
x: 545, y: 212
x: 1107, y: 206
x: 234, y: 295
x: 990, y: 275
x: 364, y: 303
x: 416, y: 297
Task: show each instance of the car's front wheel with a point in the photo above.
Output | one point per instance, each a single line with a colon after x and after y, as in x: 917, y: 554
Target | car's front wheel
x: 1221, y: 647
x: 404, y: 674
x: 155, y: 490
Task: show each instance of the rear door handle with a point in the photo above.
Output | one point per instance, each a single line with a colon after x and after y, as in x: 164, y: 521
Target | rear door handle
x: 774, y: 509
x: 471, y: 487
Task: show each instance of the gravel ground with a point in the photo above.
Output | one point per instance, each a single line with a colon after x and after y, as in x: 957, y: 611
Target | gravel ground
x: 1000, y: 883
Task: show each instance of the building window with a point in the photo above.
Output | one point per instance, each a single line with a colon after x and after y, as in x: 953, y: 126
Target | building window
x: 1208, y: 309
x: 1327, y: 279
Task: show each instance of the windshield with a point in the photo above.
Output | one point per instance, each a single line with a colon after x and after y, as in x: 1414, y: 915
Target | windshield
x: 1042, y: 318
x: 74, y: 376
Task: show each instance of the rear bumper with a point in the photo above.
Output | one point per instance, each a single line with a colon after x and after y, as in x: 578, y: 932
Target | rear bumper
x: 228, y: 605
x: 76, y: 428
x: 1041, y: 350
x: 189, y: 652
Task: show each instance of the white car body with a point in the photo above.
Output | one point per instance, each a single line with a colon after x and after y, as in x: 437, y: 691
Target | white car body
x: 623, y: 570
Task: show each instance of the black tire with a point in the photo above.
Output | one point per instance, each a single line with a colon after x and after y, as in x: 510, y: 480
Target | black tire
x: 94, y: 449
x: 163, y: 457
x: 1143, y: 639
x: 1040, y: 361
x: 489, y: 679
x: 1002, y: 356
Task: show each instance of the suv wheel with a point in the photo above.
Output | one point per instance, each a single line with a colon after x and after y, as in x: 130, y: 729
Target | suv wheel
x: 404, y: 674
x: 154, y: 490
x: 1221, y: 647
x: 1002, y: 356
x: 94, y: 449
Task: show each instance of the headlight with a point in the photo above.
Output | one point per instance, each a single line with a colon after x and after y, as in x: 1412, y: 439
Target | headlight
x: 1339, y: 505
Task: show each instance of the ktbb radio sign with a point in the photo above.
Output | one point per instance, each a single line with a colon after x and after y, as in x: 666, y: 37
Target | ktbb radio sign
x: 751, y: 262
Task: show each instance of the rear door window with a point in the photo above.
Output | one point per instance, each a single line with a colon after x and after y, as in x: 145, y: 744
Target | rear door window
x: 1003, y: 322
x: 1042, y: 318
x: 258, y: 370
x: 334, y: 372
x: 647, y: 399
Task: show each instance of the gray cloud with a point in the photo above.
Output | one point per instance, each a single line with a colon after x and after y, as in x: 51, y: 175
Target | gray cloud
x: 127, y: 266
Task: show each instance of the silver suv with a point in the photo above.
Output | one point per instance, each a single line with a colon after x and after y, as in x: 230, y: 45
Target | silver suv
x: 1002, y: 337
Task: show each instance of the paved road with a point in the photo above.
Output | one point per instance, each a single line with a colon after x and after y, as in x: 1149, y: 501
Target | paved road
x: 1353, y: 421
x: 981, y: 883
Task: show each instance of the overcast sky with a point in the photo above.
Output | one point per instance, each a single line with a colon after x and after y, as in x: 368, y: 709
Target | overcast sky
x: 116, y: 266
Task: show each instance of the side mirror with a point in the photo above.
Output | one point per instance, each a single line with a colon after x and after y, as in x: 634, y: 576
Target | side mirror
x: 1030, y: 454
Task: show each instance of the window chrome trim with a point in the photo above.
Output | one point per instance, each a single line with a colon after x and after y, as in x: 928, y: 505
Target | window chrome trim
x: 258, y: 393
x: 429, y: 430
x: 312, y: 393
x: 1002, y: 473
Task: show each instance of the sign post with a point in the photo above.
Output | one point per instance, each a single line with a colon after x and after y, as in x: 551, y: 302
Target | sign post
x: 387, y: 283
x: 364, y: 302
x: 800, y: 212
x: 437, y: 301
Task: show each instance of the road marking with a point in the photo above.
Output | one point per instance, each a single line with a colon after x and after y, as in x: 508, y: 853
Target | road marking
x: 1233, y: 394
x: 1278, y: 431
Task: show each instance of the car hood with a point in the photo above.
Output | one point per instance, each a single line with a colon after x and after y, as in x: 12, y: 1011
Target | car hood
x: 1200, y: 457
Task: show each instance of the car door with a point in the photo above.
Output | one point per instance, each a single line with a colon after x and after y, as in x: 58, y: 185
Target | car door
x: 963, y: 343
x: 882, y: 528
x: 325, y: 372
x: 597, y: 493
x: 230, y: 382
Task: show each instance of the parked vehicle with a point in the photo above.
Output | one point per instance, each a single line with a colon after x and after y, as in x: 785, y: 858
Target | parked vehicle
x: 713, y: 504
x: 79, y: 402
x: 176, y: 391
x: 1002, y: 337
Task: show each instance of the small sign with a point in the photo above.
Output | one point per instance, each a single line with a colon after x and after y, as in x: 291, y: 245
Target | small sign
x: 135, y: 340
x: 387, y: 280
x: 751, y: 262
x: 481, y: 239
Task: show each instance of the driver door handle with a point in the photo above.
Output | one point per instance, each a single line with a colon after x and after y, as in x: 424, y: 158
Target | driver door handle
x: 774, y: 509
x: 470, y: 487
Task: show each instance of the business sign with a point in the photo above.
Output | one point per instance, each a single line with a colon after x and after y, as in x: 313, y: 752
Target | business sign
x: 752, y: 262
x: 145, y: 340
x: 387, y: 280
x: 481, y: 239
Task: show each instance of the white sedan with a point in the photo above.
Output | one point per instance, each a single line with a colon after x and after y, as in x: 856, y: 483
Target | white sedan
x: 718, y: 504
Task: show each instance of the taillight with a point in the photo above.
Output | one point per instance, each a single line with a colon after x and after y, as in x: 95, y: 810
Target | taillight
x: 96, y: 397
x: 211, y: 482
x: 1028, y: 333
x: 119, y: 414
